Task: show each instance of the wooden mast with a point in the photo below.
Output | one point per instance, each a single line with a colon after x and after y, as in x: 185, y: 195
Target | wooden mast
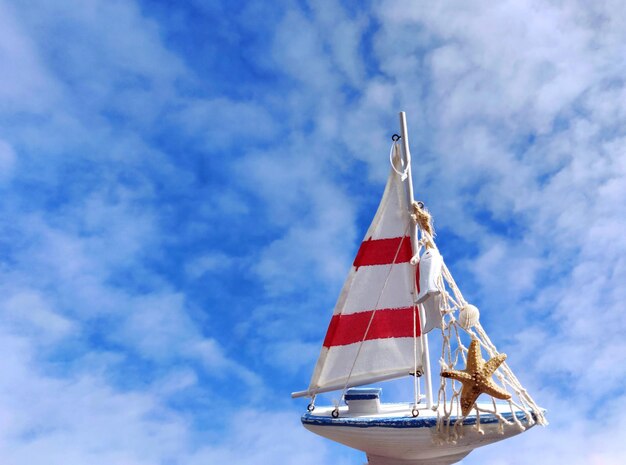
x: 425, y: 351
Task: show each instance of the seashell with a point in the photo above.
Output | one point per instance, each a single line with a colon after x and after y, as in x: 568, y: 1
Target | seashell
x: 468, y: 316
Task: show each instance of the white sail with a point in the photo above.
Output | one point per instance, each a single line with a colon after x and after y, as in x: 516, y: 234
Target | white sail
x: 375, y: 328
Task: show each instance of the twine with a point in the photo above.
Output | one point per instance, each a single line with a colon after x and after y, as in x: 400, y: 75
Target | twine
x: 454, y: 352
x: 424, y: 220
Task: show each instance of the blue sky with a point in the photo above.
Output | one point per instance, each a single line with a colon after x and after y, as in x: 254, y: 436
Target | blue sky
x: 183, y: 186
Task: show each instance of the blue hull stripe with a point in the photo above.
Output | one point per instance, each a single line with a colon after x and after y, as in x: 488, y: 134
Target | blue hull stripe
x: 361, y: 397
x: 401, y: 422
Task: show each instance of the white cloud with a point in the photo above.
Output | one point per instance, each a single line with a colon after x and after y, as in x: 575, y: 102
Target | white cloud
x: 25, y: 81
x: 29, y: 313
x: 8, y: 159
x: 83, y: 419
x: 208, y: 263
x: 223, y: 123
x: 516, y: 117
x: 519, y: 112
x: 572, y: 438
x: 300, y: 195
x: 520, y: 109
x: 258, y: 436
x: 74, y: 420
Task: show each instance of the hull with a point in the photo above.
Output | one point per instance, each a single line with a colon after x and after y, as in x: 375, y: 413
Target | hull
x: 394, y: 437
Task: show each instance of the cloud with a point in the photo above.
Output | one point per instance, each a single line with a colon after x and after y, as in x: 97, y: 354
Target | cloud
x: 257, y: 431
x: 208, y: 263
x: 98, y: 334
x: 571, y: 438
x: 77, y: 419
x: 523, y: 164
x: 83, y: 419
x: 523, y: 172
x: 223, y: 123
x: 8, y: 159
x: 34, y: 87
x: 180, y: 208
x: 28, y: 312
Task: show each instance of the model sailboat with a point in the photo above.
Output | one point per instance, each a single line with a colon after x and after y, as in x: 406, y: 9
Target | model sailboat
x: 398, y: 290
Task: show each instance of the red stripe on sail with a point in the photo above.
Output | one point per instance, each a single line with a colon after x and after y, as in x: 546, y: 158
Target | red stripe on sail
x: 383, y: 251
x: 387, y: 323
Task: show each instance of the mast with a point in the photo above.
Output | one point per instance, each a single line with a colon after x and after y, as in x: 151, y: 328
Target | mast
x: 414, y: 242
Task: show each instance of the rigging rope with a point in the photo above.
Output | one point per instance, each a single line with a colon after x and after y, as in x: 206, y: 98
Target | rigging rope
x: 422, y: 217
x: 394, y: 154
x: 452, y: 301
x: 416, y: 393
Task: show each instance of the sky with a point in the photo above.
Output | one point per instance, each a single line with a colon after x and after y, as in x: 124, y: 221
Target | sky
x: 183, y: 186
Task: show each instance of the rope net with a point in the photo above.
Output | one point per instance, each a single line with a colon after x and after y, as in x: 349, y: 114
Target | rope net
x: 458, y: 325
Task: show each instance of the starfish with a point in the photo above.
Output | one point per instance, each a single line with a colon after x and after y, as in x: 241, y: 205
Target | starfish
x: 476, y: 378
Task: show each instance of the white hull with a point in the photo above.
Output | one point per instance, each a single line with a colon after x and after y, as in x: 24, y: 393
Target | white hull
x: 394, y: 437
